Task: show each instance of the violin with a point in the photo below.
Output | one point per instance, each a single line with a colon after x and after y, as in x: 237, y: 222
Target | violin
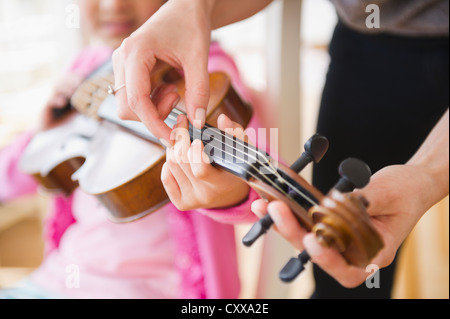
x: 124, y: 162
x: 126, y: 178
x: 54, y: 155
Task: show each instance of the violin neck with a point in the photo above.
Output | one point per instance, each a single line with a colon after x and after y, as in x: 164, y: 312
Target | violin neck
x: 230, y: 153
x: 226, y: 151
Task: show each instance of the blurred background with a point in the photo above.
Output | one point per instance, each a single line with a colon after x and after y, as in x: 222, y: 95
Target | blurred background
x: 282, y: 55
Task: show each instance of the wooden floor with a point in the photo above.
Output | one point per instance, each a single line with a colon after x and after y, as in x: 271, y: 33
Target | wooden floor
x: 21, y: 244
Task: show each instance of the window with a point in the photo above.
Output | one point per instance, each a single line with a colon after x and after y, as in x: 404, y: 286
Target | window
x: 35, y: 45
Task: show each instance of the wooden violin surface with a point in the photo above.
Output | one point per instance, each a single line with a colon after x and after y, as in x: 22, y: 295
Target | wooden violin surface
x: 53, y: 156
x: 341, y: 221
x: 123, y: 171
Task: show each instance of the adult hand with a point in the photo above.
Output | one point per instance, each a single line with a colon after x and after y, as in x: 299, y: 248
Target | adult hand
x: 178, y: 34
x: 395, y: 207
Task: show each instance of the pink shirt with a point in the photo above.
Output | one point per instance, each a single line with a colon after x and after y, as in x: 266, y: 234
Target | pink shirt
x: 168, y: 254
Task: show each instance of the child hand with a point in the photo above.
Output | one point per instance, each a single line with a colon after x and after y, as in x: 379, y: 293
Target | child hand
x: 191, y: 181
x: 60, y: 97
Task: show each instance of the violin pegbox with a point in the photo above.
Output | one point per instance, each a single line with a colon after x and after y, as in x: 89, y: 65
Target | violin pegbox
x: 341, y: 221
x: 338, y: 220
x: 314, y: 150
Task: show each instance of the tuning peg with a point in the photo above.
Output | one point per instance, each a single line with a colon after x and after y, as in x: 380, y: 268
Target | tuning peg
x: 257, y: 230
x: 294, y: 267
x: 315, y: 149
x: 59, y: 112
x: 354, y: 174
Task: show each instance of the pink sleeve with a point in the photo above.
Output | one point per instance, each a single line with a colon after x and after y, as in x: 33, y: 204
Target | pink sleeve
x: 14, y: 183
x: 89, y: 59
x: 236, y: 214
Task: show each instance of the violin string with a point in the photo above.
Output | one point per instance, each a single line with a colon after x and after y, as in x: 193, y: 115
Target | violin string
x: 312, y: 202
x: 248, y: 163
x: 258, y: 153
x: 245, y: 151
x: 275, y: 172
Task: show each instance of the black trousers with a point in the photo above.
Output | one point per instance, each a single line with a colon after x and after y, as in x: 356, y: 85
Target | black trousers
x: 383, y: 95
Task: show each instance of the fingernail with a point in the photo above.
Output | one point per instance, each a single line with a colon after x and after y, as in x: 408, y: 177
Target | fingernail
x: 275, y: 215
x: 312, y: 246
x: 200, y: 118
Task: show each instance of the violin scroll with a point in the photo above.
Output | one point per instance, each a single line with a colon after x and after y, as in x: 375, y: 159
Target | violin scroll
x: 341, y: 221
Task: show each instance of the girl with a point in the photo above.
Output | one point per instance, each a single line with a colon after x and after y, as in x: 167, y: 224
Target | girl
x: 168, y: 254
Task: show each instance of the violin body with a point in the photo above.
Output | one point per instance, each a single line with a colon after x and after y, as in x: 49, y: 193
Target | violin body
x: 53, y: 156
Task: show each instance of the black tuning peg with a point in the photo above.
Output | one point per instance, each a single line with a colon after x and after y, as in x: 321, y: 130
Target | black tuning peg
x: 354, y: 174
x: 59, y: 112
x: 294, y: 267
x: 258, y: 229
x: 315, y: 149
